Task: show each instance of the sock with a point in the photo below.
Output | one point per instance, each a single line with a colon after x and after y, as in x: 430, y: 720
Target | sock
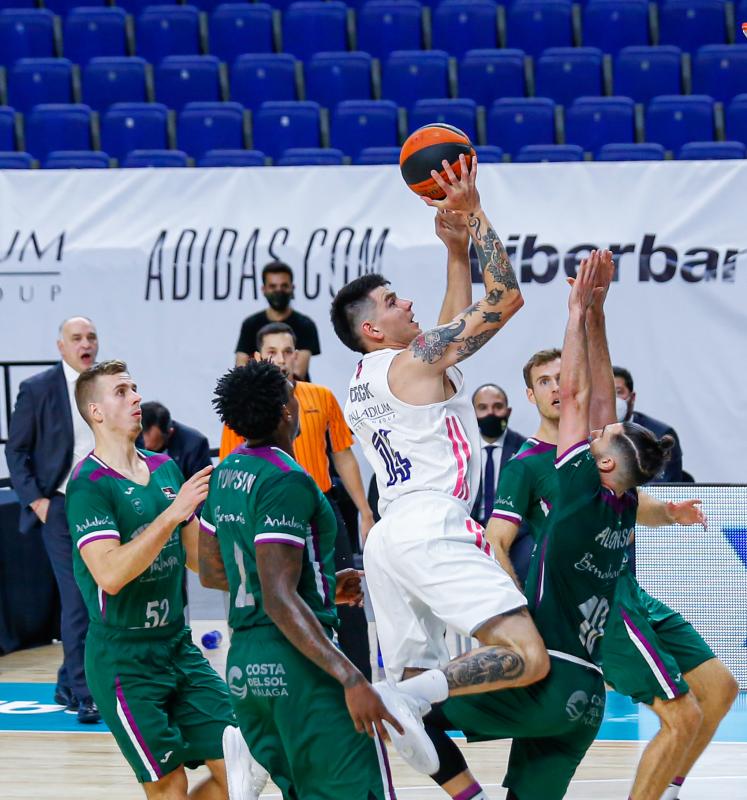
x: 450, y: 758
x: 430, y: 685
x: 673, y: 790
x: 473, y: 792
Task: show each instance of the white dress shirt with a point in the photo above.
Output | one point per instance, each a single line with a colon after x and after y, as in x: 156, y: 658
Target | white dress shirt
x: 497, y: 453
x: 83, y: 440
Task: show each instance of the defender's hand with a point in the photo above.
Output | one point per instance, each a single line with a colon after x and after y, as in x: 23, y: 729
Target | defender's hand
x: 688, y: 512
x: 367, y: 710
x: 348, y: 589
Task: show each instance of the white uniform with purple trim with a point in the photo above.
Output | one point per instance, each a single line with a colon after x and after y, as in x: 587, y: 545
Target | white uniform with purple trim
x: 428, y: 564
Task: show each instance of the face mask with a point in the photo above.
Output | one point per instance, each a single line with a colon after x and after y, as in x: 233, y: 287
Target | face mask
x: 491, y: 427
x: 621, y: 409
x: 279, y: 301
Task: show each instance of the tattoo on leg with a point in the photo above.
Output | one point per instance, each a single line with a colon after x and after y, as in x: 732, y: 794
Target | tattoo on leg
x: 484, y: 666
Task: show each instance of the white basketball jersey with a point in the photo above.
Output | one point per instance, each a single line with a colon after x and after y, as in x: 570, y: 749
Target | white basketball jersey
x: 413, y: 448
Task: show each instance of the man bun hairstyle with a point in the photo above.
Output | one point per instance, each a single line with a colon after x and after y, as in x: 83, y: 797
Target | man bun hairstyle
x: 348, y: 307
x: 250, y: 399
x: 86, y: 383
x: 643, y: 455
x: 539, y: 359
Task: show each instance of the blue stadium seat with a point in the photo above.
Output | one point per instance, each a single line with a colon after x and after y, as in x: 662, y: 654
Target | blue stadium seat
x: 388, y: 25
x: 210, y: 126
x: 280, y: 5
x: 7, y: 128
x: 673, y: 120
x: 535, y: 25
x: 594, y: 121
x: 26, y: 34
x: 704, y: 151
x: 645, y: 72
x: 136, y: 7
x: 32, y: 81
x: 17, y: 4
x: 692, y: 23
x: 63, y: 7
x: 155, y: 158
x: 168, y: 31
x: 185, y: 79
x: 310, y: 156
x: 378, y: 155
x: 412, y: 74
x: 207, y: 6
x: 313, y: 26
x: 114, y: 80
x: 134, y: 126
x: 514, y: 122
x: 52, y: 126
x: 647, y: 151
x: 279, y: 125
x: 533, y: 153
x: 76, y: 159
x: 736, y: 119
x: 232, y: 158
x: 614, y: 24
x: 488, y: 154
x: 91, y: 32
x: 564, y: 73
x: 720, y: 70
x: 359, y: 124
x: 462, y: 25
x: 486, y: 75
x: 12, y: 160
x: 461, y: 113
x: 333, y: 77
x: 238, y: 28
x: 256, y: 78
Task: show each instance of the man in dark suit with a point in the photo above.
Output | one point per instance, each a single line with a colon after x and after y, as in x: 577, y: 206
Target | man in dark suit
x: 47, y: 438
x: 162, y: 434
x: 672, y: 472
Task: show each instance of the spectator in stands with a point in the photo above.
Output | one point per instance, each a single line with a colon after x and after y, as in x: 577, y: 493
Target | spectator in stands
x: 672, y: 472
x: 278, y: 287
x: 47, y: 438
x: 162, y: 434
x: 320, y: 416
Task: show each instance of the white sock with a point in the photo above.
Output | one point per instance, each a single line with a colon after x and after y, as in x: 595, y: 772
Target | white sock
x: 672, y: 792
x: 430, y: 685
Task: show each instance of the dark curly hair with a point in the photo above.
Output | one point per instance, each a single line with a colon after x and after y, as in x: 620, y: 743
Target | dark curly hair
x: 641, y: 455
x: 250, y: 399
x: 348, y: 305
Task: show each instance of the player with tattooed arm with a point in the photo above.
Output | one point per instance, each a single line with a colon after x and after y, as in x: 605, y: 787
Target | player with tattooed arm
x: 428, y: 564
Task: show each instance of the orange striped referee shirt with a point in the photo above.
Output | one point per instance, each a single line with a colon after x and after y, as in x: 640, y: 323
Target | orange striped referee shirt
x: 319, y: 412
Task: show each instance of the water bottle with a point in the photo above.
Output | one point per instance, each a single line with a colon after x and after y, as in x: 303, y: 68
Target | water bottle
x: 211, y: 640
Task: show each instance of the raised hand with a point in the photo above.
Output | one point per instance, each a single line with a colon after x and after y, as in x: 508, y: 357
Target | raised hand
x: 688, y: 512
x: 192, y: 493
x: 585, y: 288
x: 462, y: 196
x: 452, y: 230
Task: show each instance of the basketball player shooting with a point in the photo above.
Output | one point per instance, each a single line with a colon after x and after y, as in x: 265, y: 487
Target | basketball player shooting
x: 428, y: 564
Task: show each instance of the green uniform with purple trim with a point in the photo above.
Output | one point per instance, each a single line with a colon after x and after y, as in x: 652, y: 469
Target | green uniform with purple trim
x: 579, y: 558
x: 647, y: 647
x: 292, y: 714
x: 162, y: 701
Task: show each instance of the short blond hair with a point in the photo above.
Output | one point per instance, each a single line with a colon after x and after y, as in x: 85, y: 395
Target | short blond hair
x: 86, y: 383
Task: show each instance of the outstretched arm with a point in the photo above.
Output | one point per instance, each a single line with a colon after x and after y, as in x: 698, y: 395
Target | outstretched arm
x: 602, y: 406
x: 654, y: 513
x: 452, y: 230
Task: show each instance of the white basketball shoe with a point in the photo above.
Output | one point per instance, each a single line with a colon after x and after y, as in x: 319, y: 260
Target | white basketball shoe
x: 246, y: 777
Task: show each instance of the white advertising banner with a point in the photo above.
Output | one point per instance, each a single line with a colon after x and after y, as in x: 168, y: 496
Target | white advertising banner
x: 168, y: 262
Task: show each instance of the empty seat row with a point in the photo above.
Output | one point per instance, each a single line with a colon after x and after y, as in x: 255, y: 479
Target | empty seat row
x: 590, y: 123
x: 311, y: 26
x: 561, y: 74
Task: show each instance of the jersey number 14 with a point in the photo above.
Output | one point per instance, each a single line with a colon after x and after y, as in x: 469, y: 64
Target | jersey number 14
x: 397, y: 468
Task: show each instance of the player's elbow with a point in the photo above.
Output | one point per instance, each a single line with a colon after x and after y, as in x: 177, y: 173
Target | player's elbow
x: 110, y: 585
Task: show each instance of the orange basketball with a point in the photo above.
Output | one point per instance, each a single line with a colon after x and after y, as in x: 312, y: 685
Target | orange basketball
x: 425, y: 149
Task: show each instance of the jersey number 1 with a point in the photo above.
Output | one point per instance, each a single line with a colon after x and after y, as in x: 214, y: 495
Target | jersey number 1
x: 397, y: 467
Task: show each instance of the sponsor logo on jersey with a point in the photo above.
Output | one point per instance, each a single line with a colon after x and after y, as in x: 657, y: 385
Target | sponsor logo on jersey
x: 96, y: 522
x: 169, y: 492
x: 360, y: 393
x: 586, y: 564
x: 235, y: 682
x: 576, y: 705
x: 238, y: 479
x: 167, y: 756
x: 375, y: 413
x: 129, y: 490
x: 284, y: 522
x: 614, y: 539
x: 505, y: 502
x: 137, y: 504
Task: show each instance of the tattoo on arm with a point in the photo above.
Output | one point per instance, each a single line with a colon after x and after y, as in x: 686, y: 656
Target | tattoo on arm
x: 430, y: 346
x: 491, y: 316
x: 492, y: 255
x: 486, y: 665
x: 493, y: 297
x: 473, y: 343
x: 472, y: 309
x: 212, y: 569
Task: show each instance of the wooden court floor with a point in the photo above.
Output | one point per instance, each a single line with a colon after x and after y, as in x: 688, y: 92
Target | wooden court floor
x: 88, y: 766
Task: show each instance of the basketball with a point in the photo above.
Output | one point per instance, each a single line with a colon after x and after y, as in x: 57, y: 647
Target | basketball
x: 425, y: 149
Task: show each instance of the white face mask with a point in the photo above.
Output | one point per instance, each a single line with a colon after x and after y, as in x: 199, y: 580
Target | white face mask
x: 621, y: 409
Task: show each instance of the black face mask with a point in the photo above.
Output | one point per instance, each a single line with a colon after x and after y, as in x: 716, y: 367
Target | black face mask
x: 279, y: 301
x: 491, y: 427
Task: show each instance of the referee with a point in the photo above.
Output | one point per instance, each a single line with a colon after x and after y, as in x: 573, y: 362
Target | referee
x: 320, y: 415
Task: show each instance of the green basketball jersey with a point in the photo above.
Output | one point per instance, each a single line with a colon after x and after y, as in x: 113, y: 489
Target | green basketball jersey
x: 528, y: 486
x: 580, y: 556
x: 262, y: 496
x: 102, y: 504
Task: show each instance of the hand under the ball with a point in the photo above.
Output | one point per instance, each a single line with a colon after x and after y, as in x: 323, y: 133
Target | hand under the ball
x: 461, y: 193
x: 452, y: 230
